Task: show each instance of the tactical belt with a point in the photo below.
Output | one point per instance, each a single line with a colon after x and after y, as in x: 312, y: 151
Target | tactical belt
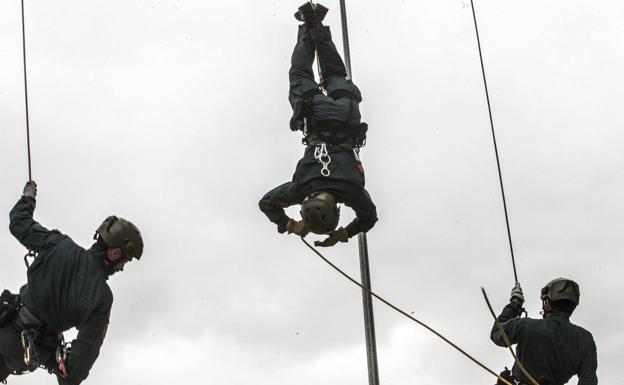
x: 336, y: 133
x: 34, y: 334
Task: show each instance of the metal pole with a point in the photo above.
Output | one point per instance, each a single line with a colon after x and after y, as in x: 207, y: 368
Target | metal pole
x: 369, y: 319
x: 367, y: 301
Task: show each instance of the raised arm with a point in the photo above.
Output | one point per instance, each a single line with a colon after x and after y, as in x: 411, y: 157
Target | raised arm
x: 22, y: 225
x: 273, y: 203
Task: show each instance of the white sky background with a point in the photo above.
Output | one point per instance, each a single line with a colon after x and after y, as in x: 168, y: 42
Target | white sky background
x: 174, y: 114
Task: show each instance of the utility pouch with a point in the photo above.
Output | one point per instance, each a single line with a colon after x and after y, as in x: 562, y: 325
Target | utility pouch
x: 360, y: 135
x: 9, y: 304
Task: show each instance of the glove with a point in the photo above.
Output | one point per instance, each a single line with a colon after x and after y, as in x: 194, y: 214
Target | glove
x: 335, y: 236
x: 517, y: 297
x: 30, y: 190
x: 297, y: 227
x: 505, y: 375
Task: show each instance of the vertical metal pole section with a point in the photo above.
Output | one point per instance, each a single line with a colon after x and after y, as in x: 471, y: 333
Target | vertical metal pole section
x: 369, y: 319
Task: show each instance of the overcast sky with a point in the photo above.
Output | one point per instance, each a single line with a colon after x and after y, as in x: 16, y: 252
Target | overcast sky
x: 174, y: 114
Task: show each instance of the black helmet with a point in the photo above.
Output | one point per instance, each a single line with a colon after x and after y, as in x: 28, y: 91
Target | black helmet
x: 561, y: 289
x: 118, y: 232
x: 320, y: 212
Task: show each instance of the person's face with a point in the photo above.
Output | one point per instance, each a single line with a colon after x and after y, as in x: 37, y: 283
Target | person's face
x: 116, y: 259
x: 546, y: 306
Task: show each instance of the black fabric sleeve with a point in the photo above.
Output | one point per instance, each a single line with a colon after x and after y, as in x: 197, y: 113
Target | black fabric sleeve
x: 365, y: 215
x: 509, y: 321
x: 587, y: 372
x: 273, y: 203
x: 27, y: 231
x: 86, y: 346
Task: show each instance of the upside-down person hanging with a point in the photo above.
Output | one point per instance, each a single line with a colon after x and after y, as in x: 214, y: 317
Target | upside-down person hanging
x: 330, y: 171
x: 66, y: 287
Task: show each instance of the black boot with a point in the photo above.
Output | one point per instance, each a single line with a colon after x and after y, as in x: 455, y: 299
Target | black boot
x: 312, y: 16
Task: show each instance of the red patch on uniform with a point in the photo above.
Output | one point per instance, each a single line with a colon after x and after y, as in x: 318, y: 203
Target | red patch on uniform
x: 360, y: 168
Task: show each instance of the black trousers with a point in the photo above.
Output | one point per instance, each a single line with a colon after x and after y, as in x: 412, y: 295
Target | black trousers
x: 333, y: 71
x: 4, y: 372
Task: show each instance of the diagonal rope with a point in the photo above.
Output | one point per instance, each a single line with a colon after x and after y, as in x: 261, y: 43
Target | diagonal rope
x: 506, y: 339
x: 405, y: 313
x: 26, y: 93
x: 500, y: 174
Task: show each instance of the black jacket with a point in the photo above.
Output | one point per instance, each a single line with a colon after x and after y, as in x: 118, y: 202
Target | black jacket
x: 345, y: 182
x: 552, y: 349
x: 66, y: 288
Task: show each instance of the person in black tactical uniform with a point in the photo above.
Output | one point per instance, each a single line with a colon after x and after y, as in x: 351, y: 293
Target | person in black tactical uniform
x: 330, y: 171
x: 552, y: 349
x: 66, y: 287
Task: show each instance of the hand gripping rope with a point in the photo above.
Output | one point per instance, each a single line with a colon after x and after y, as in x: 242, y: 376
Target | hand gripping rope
x: 395, y: 308
x: 26, y: 93
x: 506, y: 339
x: 30, y: 252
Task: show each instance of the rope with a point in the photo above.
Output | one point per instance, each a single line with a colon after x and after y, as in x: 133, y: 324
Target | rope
x: 318, y: 63
x: 506, y: 339
x: 405, y: 314
x: 500, y: 174
x: 26, y: 93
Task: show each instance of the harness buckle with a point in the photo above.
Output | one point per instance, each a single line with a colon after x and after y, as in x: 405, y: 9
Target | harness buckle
x: 62, y: 351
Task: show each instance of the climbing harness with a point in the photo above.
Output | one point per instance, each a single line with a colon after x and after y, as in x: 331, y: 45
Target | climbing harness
x: 506, y: 339
x: 500, y: 174
x: 395, y: 308
x: 322, y: 156
x: 338, y: 133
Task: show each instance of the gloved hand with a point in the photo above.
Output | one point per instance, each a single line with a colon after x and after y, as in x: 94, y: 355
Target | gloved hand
x: 339, y: 235
x: 297, y: 227
x: 517, y: 296
x: 505, y: 375
x: 30, y: 190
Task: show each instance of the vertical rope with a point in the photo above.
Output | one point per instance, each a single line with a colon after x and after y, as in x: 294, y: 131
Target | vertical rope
x: 318, y: 63
x: 26, y: 93
x: 500, y: 174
